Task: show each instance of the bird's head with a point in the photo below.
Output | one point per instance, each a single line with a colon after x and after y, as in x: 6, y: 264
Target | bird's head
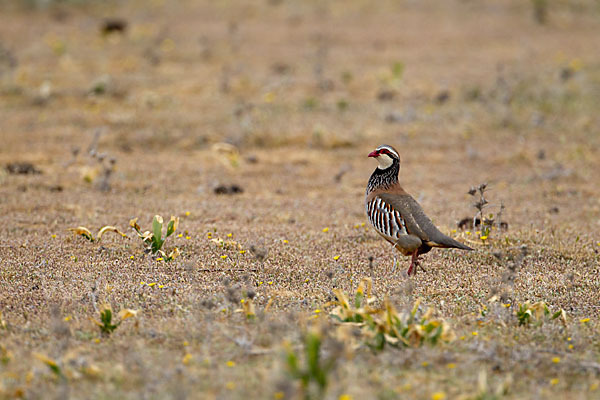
x: 386, y: 156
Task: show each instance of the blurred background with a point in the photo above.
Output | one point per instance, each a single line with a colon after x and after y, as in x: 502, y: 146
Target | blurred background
x: 185, y: 74
x: 503, y: 92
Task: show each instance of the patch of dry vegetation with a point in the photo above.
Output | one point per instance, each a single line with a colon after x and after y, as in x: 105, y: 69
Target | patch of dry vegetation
x: 251, y: 121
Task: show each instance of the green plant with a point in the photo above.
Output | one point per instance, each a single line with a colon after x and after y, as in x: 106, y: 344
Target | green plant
x: 537, y: 313
x: 315, y: 369
x: 85, y: 232
x: 381, y: 326
x: 485, y: 223
x: 397, y: 70
x: 342, y: 105
x: 106, y: 323
x: 540, y: 11
x: 3, y: 324
x: 5, y: 355
x: 154, y: 240
x: 247, y: 308
x: 51, y: 364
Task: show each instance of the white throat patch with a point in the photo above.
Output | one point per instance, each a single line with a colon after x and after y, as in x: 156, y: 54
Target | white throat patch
x: 384, y: 161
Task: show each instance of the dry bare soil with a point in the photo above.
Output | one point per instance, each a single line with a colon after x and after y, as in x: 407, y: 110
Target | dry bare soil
x: 129, y: 124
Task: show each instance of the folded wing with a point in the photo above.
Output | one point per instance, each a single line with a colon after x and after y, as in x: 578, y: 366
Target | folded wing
x: 415, y: 221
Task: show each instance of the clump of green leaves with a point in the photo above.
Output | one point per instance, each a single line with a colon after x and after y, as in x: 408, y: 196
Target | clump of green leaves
x: 312, y: 370
x: 386, y: 326
x: 154, y: 240
x: 538, y: 313
x: 107, y: 324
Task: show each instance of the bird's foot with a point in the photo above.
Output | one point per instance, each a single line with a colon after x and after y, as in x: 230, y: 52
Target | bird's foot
x: 414, y: 264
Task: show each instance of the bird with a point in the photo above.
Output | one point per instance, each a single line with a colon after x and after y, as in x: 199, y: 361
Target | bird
x: 396, y: 215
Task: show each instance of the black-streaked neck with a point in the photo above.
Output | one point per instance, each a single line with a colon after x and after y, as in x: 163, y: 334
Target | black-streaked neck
x: 384, y: 178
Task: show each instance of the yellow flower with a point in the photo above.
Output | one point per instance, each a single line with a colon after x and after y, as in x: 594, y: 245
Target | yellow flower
x: 224, y: 256
x: 278, y: 395
x: 584, y: 321
x: 186, y: 359
x: 336, y: 258
x: 67, y: 318
x: 317, y: 311
x: 462, y: 337
x: 306, y: 280
x: 424, y: 363
x: 242, y: 251
x: 159, y: 259
x: 53, y: 236
x: 570, y: 347
x: 142, y: 283
x: 188, y: 237
x: 406, y: 386
x: 270, y: 282
x: 132, y: 257
x: 242, y: 301
x: 594, y: 386
x: 554, y: 381
x: 286, y: 241
x: 468, y: 232
x: 187, y: 213
x: 438, y: 396
x: 230, y: 364
x: 161, y: 286
x: 325, y: 229
x: 209, y: 234
x: 180, y: 235
x: 569, y: 339
x: 260, y: 283
x: 556, y: 360
x: 97, y: 340
x: 345, y: 397
x: 269, y: 97
x: 575, y: 64
x: 453, y: 231
x: 474, y: 333
x: 506, y: 305
x: 152, y: 284
x: 186, y: 343
x: 450, y: 365
x: 230, y: 235
x: 483, y: 237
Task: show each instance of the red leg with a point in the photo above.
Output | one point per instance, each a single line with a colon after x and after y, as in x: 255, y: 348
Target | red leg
x: 412, y: 270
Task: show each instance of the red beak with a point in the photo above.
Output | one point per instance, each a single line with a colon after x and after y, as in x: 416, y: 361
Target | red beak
x: 374, y: 153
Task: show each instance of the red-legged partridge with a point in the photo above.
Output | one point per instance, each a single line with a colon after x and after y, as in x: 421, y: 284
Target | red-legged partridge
x: 398, y: 217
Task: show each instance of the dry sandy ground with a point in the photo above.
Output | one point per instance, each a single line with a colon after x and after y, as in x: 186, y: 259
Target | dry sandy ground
x: 469, y: 92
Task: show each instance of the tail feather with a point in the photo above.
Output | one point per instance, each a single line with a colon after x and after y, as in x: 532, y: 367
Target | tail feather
x: 447, y: 242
